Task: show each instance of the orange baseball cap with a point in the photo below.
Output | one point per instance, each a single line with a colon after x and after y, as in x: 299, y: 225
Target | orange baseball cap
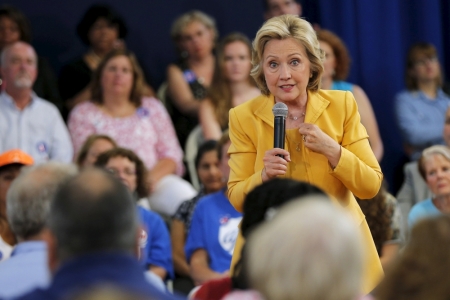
x: 15, y: 156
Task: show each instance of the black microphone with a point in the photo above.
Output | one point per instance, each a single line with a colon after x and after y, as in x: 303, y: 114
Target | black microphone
x: 280, y: 112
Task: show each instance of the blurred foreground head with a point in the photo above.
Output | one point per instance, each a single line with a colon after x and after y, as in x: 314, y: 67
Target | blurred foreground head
x: 93, y: 212
x: 310, y: 250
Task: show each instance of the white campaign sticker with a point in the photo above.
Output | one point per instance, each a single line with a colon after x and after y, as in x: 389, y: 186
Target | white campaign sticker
x: 228, y: 232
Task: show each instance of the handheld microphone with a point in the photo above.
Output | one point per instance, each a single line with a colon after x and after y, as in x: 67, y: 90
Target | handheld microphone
x: 280, y: 112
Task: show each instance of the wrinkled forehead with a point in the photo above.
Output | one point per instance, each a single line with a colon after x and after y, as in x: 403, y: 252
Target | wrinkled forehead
x: 18, y: 51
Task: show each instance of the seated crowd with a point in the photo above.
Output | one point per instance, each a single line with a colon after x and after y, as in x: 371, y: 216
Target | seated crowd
x: 95, y: 199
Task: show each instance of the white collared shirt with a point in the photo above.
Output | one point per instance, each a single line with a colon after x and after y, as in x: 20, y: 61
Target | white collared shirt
x: 38, y: 129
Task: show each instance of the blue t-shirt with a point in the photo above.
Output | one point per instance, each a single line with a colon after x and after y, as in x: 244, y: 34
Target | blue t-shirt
x: 342, y: 86
x: 422, y: 210
x: 214, y: 228
x: 154, y: 242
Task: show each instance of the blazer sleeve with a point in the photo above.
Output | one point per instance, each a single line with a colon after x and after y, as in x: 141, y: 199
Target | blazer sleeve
x: 243, y: 177
x: 358, y: 168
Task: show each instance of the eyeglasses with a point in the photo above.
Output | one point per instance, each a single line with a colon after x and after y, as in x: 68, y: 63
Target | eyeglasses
x: 427, y: 60
x: 127, y: 172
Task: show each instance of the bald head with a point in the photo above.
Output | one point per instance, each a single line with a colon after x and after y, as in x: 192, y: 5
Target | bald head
x: 93, y: 212
x: 18, y: 66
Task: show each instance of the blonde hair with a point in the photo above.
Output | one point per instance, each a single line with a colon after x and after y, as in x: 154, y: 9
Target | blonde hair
x: 187, y: 18
x: 312, y: 249
x: 284, y: 27
x: 220, y: 93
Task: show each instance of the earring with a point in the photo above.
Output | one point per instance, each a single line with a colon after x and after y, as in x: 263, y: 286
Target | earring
x: 310, y: 75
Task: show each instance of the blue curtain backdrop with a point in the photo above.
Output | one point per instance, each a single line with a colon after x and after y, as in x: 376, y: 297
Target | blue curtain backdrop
x: 378, y: 34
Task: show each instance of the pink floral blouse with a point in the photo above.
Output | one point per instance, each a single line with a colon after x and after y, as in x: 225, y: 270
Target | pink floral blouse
x: 149, y: 132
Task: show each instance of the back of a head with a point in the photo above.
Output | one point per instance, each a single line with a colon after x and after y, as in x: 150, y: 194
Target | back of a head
x: 93, y: 212
x: 30, y: 195
x: 422, y: 268
x: 271, y: 195
x: 311, y: 250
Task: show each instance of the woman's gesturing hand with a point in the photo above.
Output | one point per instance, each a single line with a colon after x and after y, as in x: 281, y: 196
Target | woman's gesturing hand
x: 318, y: 141
x: 273, y: 164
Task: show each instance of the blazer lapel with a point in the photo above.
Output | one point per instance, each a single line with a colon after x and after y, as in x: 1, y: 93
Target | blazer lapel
x: 263, y: 109
x: 315, y: 107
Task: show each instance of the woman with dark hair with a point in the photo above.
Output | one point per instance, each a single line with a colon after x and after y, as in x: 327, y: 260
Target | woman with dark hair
x: 14, y: 27
x: 94, y: 145
x: 119, y: 109
x: 231, y: 85
x: 155, y: 244
x: 101, y: 29
x: 336, y: 68
x: 210, y: 177
x: 420, y: 110
x: 194, y: 34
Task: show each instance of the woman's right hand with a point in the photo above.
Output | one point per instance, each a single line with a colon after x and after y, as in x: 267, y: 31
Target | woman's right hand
x: 273, y: 164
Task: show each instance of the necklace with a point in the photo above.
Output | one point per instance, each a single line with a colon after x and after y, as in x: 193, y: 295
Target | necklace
x: 295, y: 118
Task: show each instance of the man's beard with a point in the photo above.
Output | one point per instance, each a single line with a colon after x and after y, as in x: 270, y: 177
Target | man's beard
x: 23, y: 82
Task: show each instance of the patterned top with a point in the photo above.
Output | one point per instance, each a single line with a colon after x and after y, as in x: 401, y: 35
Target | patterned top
x: 149, y: 132
x: 186, y: 209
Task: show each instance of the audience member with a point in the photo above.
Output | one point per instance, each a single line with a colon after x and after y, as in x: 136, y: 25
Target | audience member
x: 155, y: 246
x: 414, y: 189
x: 384, y: 219
x: 28, y: 205
x: 336, y: 67
x: 211, y: 179
x: 275, y: 8
x: 10, y: 164
x: 102, y: 30
x: 119, y: 110
x: 28, y: 122
x: 214, y: 228
x: 102, y: 248
x: 421, y: 271
x: 260, y: 205
x: 194, y: 34
x: 420, y: 110
x: 94, y: 145
x: 14, y: 27
x: 434, y: 167
x: 231, y: 85
x: 324, y: 263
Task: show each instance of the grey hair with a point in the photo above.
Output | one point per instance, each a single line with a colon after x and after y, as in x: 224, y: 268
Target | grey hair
x: 429, y: 152
x: 313, y: 250
x: 28, y: 199
x: 7, y: 49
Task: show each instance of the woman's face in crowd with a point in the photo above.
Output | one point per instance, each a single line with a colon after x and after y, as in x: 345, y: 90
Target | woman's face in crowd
x: 286, y: 69
x: 237, y: 61
x: 98, y: 147
x: 329, y: 63
x: 197, y: 39
x: 117, y: 76
x: 125, y: 170
x: 437, y: 171
x: 426, y: 68
x: 103, y: 35
x: 9, y: 32
x: 209, y: 172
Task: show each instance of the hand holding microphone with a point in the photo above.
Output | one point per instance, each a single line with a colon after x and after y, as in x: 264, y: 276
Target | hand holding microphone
x: 276, y: 160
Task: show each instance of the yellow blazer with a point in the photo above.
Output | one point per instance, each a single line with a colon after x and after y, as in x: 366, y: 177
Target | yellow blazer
x: 358, y: 171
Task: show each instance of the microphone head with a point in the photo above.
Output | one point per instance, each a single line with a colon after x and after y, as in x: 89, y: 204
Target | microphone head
x: 280, y: 110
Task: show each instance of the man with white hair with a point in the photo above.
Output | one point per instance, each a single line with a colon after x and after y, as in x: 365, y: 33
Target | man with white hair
x: 27, y: 208
x: 28, y: 122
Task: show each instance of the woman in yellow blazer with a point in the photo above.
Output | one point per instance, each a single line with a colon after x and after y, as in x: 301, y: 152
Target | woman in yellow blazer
x: 326, y: 144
